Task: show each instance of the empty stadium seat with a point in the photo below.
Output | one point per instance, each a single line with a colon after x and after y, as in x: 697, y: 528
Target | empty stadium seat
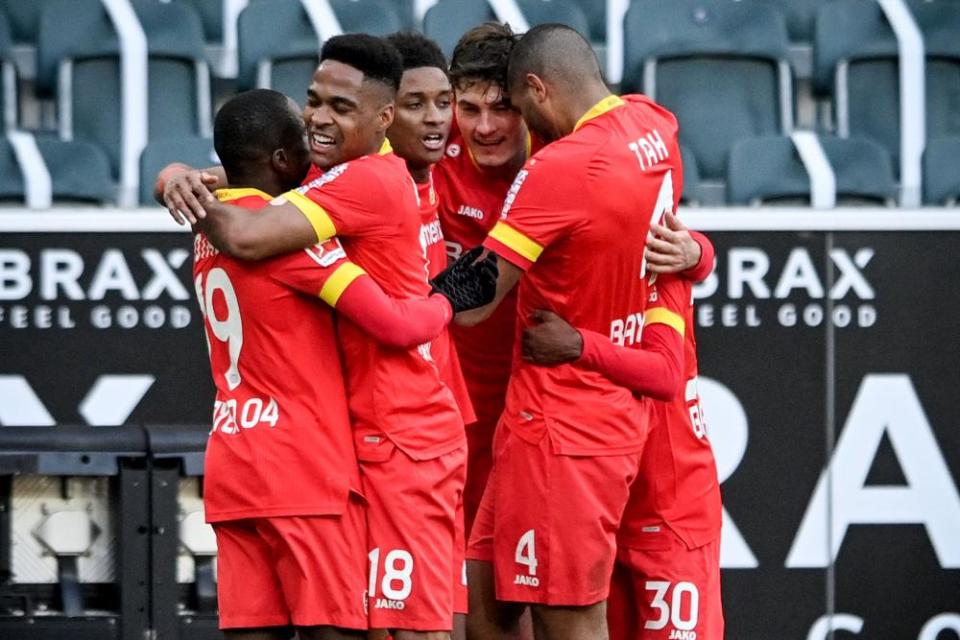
x: 78, y: 60
x: 596, y: 12
x: 8, y: 79
x: 79, y: 172
x: 691, y: 177
x: 769, y: 169
x: 24, y: 18
x: 194, y: 151
x: 566, y: 12
x: 211, y: 16
x: 801, y: 15
x: 447, y: 20
x: 722, y: 67
x: 941, y: 171
x: 856, y: 61
x: 284, y: 55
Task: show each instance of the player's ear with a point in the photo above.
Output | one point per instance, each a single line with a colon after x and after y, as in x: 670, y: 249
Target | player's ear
x: 536, y: 86
x: 385, y: 116
x: 279, y: 161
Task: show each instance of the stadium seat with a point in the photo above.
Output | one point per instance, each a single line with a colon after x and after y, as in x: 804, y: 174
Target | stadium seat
x: 78, y: 60
x: 8, y: 79
x: 447, y: 20
x: 194, y: 151
x: 596, y: 13
x: 856, y: 62
x: 211, y: 16
x: 79, y: 172
x: 691, y: 177
x: 769, y: 169
x: 800, y: 15
x: 722, y: 67
x: 279, y: 48
x: 566, y: 12
x: 24, y: 18
x: 941, y: 171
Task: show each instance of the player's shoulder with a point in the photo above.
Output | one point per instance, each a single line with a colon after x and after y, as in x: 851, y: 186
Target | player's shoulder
x: 647, y: 108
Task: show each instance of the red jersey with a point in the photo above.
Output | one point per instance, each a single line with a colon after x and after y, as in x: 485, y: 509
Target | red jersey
x: 281, y: 443
x: 576, y: 220
x: 444, y: 350
x: 371, y: 204
x: 470, y: 202
x: 678, y: 481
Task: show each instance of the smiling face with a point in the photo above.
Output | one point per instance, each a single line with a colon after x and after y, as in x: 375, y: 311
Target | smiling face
x: 345, y: 114
x: 493, y: 131
x: 424, y: 112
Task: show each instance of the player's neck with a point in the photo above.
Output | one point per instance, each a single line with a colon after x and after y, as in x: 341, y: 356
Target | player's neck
x: 419, y: 173
x: 579, y: 104
x: 270, y: 185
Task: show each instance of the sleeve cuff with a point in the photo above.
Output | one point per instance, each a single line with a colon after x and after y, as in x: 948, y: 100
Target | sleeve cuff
x: 318, y: 217
x: 662, y: 315
x: 339, y: 280
x: 513, y: 245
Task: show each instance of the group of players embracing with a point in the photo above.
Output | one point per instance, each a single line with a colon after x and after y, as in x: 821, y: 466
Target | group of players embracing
x: 423, y: 300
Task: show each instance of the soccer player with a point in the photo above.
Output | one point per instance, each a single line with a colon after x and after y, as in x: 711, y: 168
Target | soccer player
x: 489, y: 145
x: 408, y: 431
x: 667, y: 582
x: 421, y: 125
x: 286, y: 558
x: 574, y: 225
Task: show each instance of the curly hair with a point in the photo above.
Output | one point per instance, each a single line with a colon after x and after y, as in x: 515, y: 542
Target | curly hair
x: 375, y: 57
x: 417, y: 50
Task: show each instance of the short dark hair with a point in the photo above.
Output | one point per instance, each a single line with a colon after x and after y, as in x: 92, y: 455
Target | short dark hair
x: 251, y: 126
x: 556, y: 51
x: 482, y: 55
x: 377, y: 59
x: 417, y: 50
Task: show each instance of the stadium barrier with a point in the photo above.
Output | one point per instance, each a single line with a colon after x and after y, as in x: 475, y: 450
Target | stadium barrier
x: 828, y: 348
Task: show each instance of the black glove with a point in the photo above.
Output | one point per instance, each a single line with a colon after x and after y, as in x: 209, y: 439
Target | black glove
x: 467, y: 283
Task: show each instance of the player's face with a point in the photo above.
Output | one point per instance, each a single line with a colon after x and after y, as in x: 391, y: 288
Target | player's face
x: 297, y: 154
x: 493, y: 130
x: 344, y: 115
x: 424, y: 112
x: 535, y: 114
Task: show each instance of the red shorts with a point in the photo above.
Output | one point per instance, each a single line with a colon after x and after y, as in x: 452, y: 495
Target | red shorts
x: 677, y: 589
x: 300, y: 570
x: 554, y: 521
x: 479, y: 459
x: 412, y: 518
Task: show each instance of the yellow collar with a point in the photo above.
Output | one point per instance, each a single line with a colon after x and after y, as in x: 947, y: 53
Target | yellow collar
x: 224, y: 195
x: 607, y: 104
x: 385, y: 148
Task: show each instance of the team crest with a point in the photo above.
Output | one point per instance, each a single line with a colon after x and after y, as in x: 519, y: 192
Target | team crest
x: 453, y: 150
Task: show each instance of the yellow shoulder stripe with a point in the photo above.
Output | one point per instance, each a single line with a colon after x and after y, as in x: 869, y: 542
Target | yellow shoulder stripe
x: 338, y: 282
x: 319, y: 219
x: 515, y: 240
x: 661, y: 315
x: 225, y: 195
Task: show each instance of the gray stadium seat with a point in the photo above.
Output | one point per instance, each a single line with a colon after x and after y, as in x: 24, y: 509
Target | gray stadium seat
x: 79, y: 172
x: 196, y: 152
x: 277, y: 40
x: 596, y: 12
x: 24, y: 17
x: 211, y: 15
x: 447, y: 20
x: 8, y: 78
x: 80, y: 31
x: 769, y: 169
x: 941, y: 171
x: 722, y: 67
x: 566, y: 12
x: 691, y: 177
x: 801, y: 15
x: 853, y: 39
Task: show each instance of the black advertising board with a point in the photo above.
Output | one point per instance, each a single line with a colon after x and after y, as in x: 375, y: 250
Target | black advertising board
x: 839, y: 352
x: 828, y: 374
